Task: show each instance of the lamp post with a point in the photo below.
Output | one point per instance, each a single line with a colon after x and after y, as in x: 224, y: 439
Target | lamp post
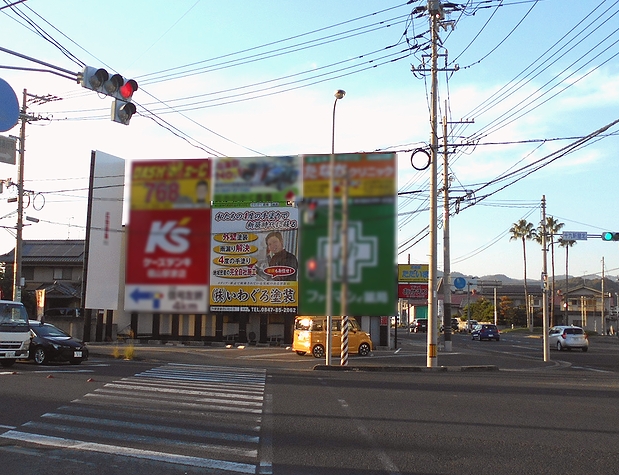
x: 339, y: 94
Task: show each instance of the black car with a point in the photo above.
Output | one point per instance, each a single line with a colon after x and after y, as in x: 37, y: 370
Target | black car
x: 49, y: 343
x: 455, y: 325
x: 419, y: 325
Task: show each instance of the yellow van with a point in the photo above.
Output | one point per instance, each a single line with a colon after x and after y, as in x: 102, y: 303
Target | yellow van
x: 310, y: 336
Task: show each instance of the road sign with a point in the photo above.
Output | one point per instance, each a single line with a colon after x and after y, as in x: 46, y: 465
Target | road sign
x: 459, y: 283
x: 574, y: 236
x: 9, y: 107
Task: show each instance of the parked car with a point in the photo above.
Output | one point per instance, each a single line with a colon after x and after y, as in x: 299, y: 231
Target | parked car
x: 310, y: 336
x: 419, y: 325
x: 486, y: 331
x: 471, y: 325
x: 49, y: 343
x: 455, y: 325
x: 567, y: 337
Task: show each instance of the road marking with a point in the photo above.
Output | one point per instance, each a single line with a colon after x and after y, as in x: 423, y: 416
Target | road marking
x: 142, y: 417
x: 130, y: 452
x: 592, y: 369
x: 388, y: 464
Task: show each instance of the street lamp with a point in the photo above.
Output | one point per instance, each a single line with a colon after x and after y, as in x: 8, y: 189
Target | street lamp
x: 339, y: 94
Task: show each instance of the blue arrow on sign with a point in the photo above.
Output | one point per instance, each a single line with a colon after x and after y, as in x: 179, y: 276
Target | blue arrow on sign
x: 138, y: 295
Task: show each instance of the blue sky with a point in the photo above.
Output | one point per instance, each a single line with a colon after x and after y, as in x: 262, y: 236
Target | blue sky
x: 242, y: 78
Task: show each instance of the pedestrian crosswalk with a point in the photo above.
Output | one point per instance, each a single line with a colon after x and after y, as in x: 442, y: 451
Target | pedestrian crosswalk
x: 192, y: 415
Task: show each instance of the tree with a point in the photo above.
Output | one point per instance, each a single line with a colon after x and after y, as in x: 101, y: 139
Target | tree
x: 566, y: 243
x: 551, y: 229
x: 481, y: 310
x: 524, y: 231
x: 506, y: 311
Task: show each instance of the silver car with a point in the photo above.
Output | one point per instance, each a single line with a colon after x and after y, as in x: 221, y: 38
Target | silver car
x: 567, y: 337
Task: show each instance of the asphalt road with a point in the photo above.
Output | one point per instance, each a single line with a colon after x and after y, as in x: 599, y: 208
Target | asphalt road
x: 491, y: 407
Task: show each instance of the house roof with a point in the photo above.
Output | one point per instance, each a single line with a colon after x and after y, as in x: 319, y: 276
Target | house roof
x: 48, y: 252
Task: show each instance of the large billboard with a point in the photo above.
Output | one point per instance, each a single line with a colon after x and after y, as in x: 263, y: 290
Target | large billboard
x: 257, y: 179
x: 168, y: 244
x: 107, y: 186
x: 254, y: 265
x: 370, y: 232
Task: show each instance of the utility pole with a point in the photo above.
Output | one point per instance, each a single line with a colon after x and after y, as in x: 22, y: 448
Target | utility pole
x: 17, y: 265
x: 545, y: 283
x: 435, y: 10
x: 446, y: 239
x: 24, y: 117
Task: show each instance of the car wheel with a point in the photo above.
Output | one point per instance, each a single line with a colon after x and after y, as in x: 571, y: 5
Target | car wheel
x: 301, y: 353
x: 559, y: 347
x: 364, y: 349
x: 6, y: 363
x: 585, y: 349
x: 318, y: 351
x: 40, y: 356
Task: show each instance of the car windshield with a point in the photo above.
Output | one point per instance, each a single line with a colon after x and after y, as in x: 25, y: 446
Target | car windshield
x: 48, y: 330
x: 574, y: 331
x: 13, y: 314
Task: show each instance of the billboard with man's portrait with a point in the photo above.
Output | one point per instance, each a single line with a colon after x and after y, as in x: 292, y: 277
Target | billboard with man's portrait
x: 254, y: 265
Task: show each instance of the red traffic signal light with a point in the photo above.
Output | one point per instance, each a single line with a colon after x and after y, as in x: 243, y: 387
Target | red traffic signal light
x: 128, y: 88
x: 315, y: 269
x: 311, y: 266
x: 310, y: 212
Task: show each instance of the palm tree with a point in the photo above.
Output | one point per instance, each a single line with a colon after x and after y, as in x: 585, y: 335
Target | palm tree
x: 566, y: 243
x: 524, y: 231
x: 551, y: 229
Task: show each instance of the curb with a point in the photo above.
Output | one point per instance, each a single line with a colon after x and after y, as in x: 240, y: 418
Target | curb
x: 408, y: 369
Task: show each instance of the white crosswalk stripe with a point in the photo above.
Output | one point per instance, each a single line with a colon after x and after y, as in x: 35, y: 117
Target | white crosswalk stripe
x: 193, y: 415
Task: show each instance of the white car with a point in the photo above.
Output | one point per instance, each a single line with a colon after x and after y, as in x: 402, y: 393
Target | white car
x: 567, y: 337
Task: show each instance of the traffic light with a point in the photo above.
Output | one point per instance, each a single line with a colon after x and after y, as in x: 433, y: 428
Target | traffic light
x: 310, y: 213
x: 610, y: 236
x: 315, y: 269
x: 122, y: 111
x: 115, y: 86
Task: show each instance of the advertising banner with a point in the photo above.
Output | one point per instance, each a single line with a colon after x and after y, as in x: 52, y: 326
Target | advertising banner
x: 254, y: 267
x: 257, y: 179
x: 413, y: 273
x: 369, y: 184
x: 105, y: 233
x: 168, y: 244
x: 369, y: 174
x: 413, y: 291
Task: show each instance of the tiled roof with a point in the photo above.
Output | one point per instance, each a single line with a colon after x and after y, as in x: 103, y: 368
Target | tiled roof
x: 49, y: 252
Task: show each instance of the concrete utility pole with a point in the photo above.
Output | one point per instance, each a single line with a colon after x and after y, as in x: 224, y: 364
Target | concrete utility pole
x: 24, y: 117
x: 17, y: 265
x: 545, y: 283
x: 435, y: 10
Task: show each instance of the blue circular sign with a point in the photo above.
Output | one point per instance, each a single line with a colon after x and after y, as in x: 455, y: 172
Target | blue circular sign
x: 459, y: 283
x: 9, y: 107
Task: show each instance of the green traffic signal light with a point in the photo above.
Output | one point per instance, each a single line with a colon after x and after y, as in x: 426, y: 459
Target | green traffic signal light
x: 609, y: 236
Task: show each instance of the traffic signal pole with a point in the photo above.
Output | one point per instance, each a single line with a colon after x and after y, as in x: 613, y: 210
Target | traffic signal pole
x: 446, y: 248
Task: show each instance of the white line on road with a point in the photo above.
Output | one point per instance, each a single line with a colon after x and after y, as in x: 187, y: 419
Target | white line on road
x: 129, y: 452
